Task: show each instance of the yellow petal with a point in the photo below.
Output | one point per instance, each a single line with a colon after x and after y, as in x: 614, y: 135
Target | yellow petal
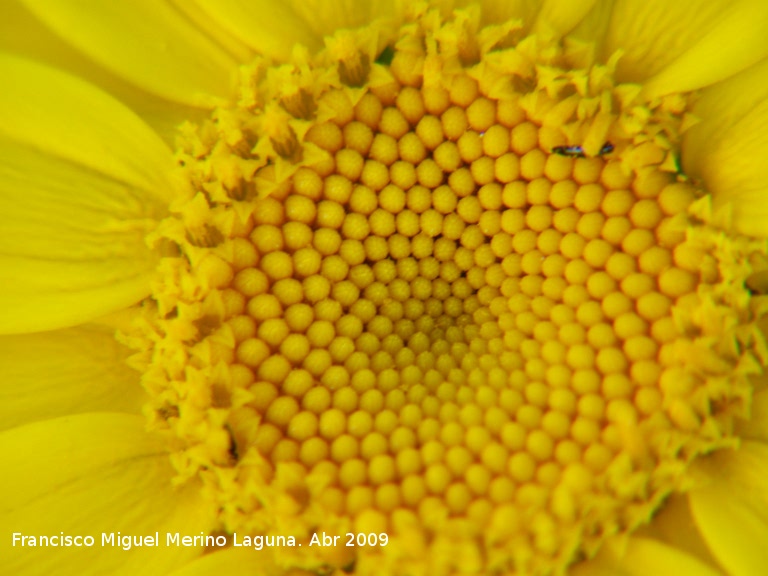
x: 642, y: 557
x: 65, y: 372
x: 81, y: 180
x: 327, y: 16
x: 23, y: 34
x: 71, y: 243
x: 496, y: 12
x: 681, y: 46
x: 53, y: 112
x: 86, y: 475
x: 558, y: 17
x: 596, y: 567
x: 244, y: 561
x: 726, y: 149
x: 732, y: 511
x: 273, y: 28
x: 147, y: 42
x: 674, y: 525
x: 594, y: 27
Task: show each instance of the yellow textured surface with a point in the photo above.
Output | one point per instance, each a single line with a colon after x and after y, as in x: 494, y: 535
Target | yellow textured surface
x: 407, y: 312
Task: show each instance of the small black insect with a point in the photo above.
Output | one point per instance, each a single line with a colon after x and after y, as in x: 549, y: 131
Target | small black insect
x: 578, y: 151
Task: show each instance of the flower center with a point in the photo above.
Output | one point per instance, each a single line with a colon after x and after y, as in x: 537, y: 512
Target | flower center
x: 453, y: 291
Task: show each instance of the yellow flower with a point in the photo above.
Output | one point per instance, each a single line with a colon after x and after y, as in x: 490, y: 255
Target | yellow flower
x: 481, y: 288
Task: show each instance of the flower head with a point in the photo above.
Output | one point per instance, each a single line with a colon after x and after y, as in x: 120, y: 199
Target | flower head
x: 452, y: 281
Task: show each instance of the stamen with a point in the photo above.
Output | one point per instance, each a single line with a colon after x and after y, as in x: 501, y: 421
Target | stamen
x: 301, y: 104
